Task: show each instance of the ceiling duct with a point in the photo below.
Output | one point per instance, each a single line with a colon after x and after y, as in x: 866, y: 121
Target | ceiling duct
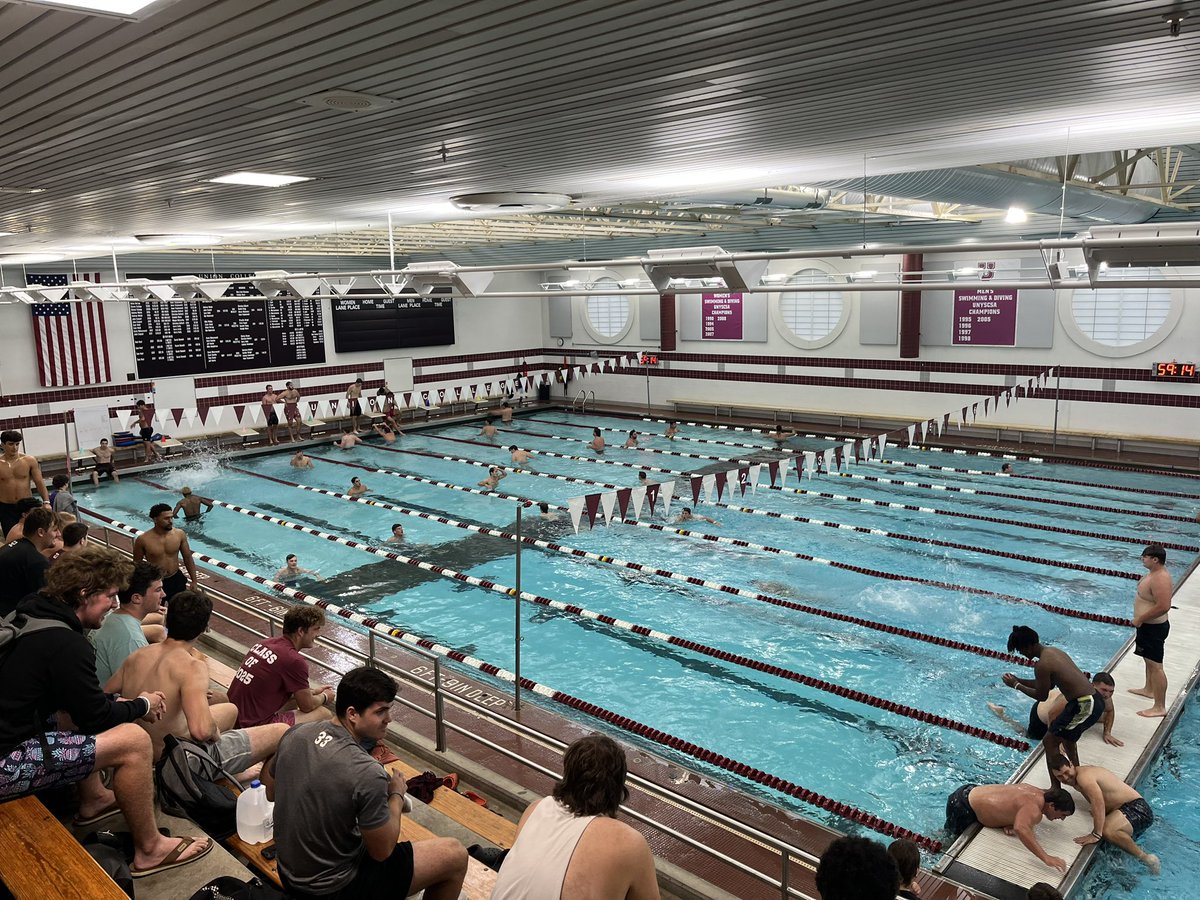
x: 743, y: 203
x: 1000, y: 190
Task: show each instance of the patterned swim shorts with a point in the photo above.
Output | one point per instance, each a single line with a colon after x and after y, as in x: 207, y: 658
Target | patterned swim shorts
x: 26, y: 769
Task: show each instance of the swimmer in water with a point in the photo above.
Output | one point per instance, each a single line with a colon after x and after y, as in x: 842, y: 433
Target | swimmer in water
x: 671, y: 431
x: 631, y: 442
x: 488, y: 430
x: 397, y: 534
x: 688, y: 516
x: 1006, y: 469
x: 291, y: 573
x: 495, y: 473
x: 348, y: 439
x: 357, y: 488
x: 300, y: 461
x: 387, y: 433
x: 190, y: 504
x: 780, y: 437
x: 520, y: 457
x: 597, y: 442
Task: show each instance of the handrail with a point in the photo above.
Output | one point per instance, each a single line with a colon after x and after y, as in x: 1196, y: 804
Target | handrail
x: 787, y: 852
x: 581, y: 399
x: 591, y: 394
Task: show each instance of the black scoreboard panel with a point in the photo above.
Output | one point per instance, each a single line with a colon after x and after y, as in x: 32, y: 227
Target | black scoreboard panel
x: 191, y: 337
x: 389, y: 323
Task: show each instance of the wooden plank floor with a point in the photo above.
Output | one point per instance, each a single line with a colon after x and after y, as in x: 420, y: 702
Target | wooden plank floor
x: 991, y: 852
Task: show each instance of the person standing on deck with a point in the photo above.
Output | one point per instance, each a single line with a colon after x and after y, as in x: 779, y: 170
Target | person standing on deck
x: 1151, y: 603
x: 163, y: 545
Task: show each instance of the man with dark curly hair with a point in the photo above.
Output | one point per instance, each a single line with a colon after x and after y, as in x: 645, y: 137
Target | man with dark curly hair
x: 570, y: 844
x: 854, y: 868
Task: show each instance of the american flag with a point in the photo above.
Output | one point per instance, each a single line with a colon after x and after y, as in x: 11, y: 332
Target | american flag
x: 71, y: 338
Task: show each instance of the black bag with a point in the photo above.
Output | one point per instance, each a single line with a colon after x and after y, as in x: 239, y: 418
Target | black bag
x: 190, y: 784
x: 16, y: 624
x: 229, y: 888
x: 112, y: 860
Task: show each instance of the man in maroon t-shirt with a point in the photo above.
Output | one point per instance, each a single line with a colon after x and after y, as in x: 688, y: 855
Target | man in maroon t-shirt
x: 272, y: 683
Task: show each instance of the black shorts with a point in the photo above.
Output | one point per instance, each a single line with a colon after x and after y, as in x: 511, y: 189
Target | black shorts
x: 173, y: 584
x: 272, y: 418
x: 373, y: 881
x: 104, y: 469
x: 1036, y: 728
x: 959, y: 815
x: 9, y: 516
x: 1150, y: 641
x: 1139, y: 814
x: 147, y: 433
x: 1078, y: 717
x: 355, y: 408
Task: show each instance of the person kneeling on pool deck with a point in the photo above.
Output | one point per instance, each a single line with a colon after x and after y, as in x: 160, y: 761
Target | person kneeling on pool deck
x: 1054, y: 669
x: 1119, y: 814
x: 1014, y: 807
x: 1042, y: 714
x: 291, y: 573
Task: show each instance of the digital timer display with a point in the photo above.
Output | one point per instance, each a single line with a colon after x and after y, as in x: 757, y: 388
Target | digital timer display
x: 651, y: 359
x: 1173, y: 371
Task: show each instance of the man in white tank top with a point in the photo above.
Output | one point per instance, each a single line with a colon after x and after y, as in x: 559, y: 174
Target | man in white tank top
x: 570, y: 845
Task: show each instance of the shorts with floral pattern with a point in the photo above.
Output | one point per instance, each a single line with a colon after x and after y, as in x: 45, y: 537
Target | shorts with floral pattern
x: 72, y: 757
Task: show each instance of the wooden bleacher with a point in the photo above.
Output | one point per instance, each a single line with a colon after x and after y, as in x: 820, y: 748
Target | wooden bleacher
x: 40, y: 858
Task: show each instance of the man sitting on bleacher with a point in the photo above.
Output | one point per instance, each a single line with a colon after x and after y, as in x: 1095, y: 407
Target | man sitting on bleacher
x: 54, y: 669
x: 272, y: 683
x: 571, y: 845
x: 337, y: 810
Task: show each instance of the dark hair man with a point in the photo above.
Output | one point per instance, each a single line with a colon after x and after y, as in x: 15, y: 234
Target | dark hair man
x: 121, y: 633
x: 1151, y: 603
x: 23, y: 563
x: 163, y: 545
x: 74, y: 535
x: 570, y: 844
x: 855, y: 868
x: 337, y: 810
x: 272, y: 683
x: 1119, y: 813
x: 1018, y: 807
x: 1054, y: 669
x: 19, y: 470
x: 61, y: 498
x: 145, y: 417
x: 54, y: 669
x: 24, y: 507
x: 907, y: 856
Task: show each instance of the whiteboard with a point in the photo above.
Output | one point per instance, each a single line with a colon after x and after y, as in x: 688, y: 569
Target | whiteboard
x: 174, y: 393
x: 91, y: 424
x: 398, y: 373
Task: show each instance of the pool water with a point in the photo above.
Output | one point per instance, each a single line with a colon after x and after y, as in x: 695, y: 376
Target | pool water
x: 893, y: 766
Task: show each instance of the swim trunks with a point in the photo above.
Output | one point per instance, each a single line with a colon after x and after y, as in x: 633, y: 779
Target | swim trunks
x: 9, y: 516
x: 1139, y: 814
x: 146, y: 432
x: 173, y: 584
x: 272, y: 418
x: 959, y: 815
x: 104, y: 469
x: 1079, y: 715
x: 26, y: 768
x: 1150, y: 641
x: 1036, y: 729
x: 355, y: 408
x: 291, y: 411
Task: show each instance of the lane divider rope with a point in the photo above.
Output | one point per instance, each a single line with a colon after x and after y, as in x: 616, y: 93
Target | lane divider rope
x: 774, y: 782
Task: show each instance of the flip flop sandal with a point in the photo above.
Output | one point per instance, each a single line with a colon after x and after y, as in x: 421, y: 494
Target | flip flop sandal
x: 111, y: 810
x: 172, y: 860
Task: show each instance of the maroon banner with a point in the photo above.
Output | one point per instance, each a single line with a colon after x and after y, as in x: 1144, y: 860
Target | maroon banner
x: 623, y: 495
x: 721, y: 317
x: 721, y: 478
x: 652, y: 495
x: 312, y: 407
x: 697, y: 484
x: 591, y: 505
x: 986, y: 316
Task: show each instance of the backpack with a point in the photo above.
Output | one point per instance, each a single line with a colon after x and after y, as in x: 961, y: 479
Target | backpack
x: 108, y: 851
x: 227, y: 887
x: 189, y: 783
x: 16, y: 624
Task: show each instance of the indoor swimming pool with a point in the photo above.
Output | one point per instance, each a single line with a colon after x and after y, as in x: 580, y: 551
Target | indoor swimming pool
x: 908, y: 604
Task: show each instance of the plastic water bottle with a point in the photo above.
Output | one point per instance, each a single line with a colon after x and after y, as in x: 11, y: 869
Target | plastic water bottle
x: 255, y: 814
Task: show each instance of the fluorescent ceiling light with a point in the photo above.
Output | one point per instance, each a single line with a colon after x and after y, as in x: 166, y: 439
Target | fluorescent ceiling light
x: 120, y: 7
x: 191, y: 240
x: 259, y: 179
x: 6, y: 233
x: 1015, y: 215
x: 16, y: 190
x: 967, y: 271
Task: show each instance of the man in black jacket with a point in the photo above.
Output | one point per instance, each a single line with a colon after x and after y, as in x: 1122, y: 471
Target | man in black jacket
x: 23, y: 563
x: 57, y: 726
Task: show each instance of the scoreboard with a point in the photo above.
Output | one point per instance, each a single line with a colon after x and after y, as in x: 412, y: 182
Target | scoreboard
x: 388, y: 323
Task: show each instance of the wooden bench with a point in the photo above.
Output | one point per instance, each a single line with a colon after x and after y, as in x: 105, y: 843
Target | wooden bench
x: 39, y: 858
x: 477, y: 886
x: 465, y: 811
x: 246, y: 434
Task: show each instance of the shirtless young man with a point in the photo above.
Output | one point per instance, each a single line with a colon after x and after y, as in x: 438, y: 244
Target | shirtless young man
x: 104, y: 463
x: 1054, y: 669
x: 353, y: 401
x: 292, y: 571
x: 145, y: 417
x: 779, y: 436
x: 385, y: 431
x: 1042, y: 714
x: 520, y: 457
x: 300, y: 461
x: 1014, y: 807
x: 631, y: 442
x: 672, y: 430
x: 269, y: 415
x: 488, y: 430
x: 190, y: 504
x: 1151, y: 604
x: 17, y: 470
x: 357, y: 488
x: 163, y: 545
x: 291, y: 410
x: 597, y: 442
x: 348, y: 439
x: 397, y: 535
x: 1119, y: 814
x: 688, y: 516
x: 506, y: 413
x: 182, y: 678
x: 495, y: 473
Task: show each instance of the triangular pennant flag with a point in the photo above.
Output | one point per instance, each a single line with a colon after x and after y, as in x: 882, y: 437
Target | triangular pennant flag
x: 738, y: 477
x: 945, y: 422
x: 487, y: 387
x: 755, y: 472
x: 474, y: 389
x: 1008, y: 398
x: 458, y: 392
x: 441, y: 396
x: 596, y: 370
x: 911, y: 430
x: 176, y: 414
x: 623, y: 495
x: 373, y: 402
x: 667, y: 491
x: 784, y: 465
x: 312, y: 407
x: 974, y: 412
x: 839, y: 453
x: 931, y: 427
x: 575, y: 507
x: 637, y: 496
x: 729, y: 479
x: 191, y: 414
x: 608, y: 502
x: 408, y: 398
x: 828, y: 457
x: 915, y: 429
x: 333, y: 408
x: 883, y: 442
x: 591, y: 505
x: 810, y: 462
x: 237, y: 413
x: 986, y: 401
x: 697, y: 485
x: 424, y: 398
x: 529, y: 383
x: 651, y: 495
x: 212, y: 415
x: 773, y: 470
x: 710, y: 485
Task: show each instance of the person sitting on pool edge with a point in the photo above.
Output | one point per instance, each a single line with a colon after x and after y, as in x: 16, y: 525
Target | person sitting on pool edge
x: 1014, y: 807
x: 1055, y: 669
x: 357, y: 488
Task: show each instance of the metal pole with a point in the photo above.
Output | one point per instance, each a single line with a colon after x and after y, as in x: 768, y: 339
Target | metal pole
x: 517, y: 610
x: 439, y: 707
x: 1057, y: 391
x: 647, y: 368
x: 67, y: 444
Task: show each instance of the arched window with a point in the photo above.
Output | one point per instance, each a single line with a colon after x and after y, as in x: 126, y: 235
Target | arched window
x: 1121, y: 316
x: 607, y: 314
x: 811, y: 315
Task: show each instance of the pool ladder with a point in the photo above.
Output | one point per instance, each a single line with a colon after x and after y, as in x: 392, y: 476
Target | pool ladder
x: 581, y: 401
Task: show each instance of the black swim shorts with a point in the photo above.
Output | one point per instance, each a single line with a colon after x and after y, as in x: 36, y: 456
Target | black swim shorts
x: 355, y: 408
x: 959, y: 815
x: 1150, y: 641
x: 1036, y: 728
x: 1139, y: 814
x: 272, y: 418
x: 147, y: 433
x: 373, y: 880
x: 1079, y: 715
x: 173, y: 584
